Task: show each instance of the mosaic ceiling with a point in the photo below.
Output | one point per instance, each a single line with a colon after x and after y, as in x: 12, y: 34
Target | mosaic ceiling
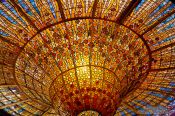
x: 87, y: 57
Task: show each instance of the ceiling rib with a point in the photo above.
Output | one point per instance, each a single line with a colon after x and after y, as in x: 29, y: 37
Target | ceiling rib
x: 94, y: 7
x: 162, y: 69
x: 158, y: 91
x: 7, y: 85
x: 46, y: 110
x: 61, y: 9
x: 22, y: 13
x: 133, y: 4
x: 12, y: 104
x: 8, y: 41
x: 143, y: 106
x: 159, y: 21
x: 166, y: 94
x: 164, y: 47
x: 132, y: 108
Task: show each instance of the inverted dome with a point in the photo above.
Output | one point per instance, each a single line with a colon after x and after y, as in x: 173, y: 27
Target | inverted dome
x: 85, y: 65
x: 87, y: 57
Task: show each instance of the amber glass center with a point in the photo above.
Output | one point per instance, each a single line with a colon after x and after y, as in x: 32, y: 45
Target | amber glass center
x: 86, y: 87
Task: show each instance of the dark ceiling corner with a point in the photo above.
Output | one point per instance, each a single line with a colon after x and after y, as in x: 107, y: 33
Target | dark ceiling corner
x: 173, y: 1
x: 4, y: 113
x: 2, y: 1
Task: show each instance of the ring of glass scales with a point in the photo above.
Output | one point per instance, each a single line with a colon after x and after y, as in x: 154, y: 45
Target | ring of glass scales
x: 85, y: 64
x: 89, y: 113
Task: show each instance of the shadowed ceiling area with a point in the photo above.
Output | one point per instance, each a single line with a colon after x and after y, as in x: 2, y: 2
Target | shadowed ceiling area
x: 87, y: 57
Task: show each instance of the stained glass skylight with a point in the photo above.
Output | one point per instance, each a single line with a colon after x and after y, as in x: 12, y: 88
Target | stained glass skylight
x: 87, y: 57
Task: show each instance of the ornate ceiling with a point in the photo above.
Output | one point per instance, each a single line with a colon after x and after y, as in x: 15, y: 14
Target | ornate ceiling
x: 87, y: 57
